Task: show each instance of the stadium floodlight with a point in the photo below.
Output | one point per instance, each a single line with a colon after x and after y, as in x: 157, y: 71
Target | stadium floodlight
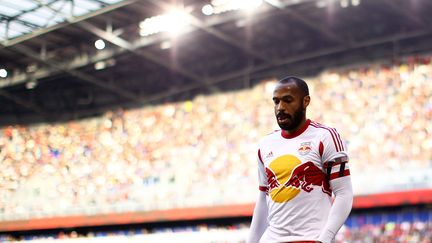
x: 104, y: 64
x: 31, y: 84
x: 207, y: 9
x: 100, y: 44
x: 173, y: 22
x: 3, y: 73
x: 355, y: 2
x: 344, y: 3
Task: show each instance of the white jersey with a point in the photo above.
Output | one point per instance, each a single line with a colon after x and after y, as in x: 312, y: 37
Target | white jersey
x: 293, y: 171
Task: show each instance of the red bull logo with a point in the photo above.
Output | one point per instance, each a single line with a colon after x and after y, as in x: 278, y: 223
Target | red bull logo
x: 306, y: 175
x: 272, y: 181
x: 305, y: 148
x: 286, y: 176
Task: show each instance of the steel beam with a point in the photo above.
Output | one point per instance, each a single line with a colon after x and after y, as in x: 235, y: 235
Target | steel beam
x: 218, y: 34
x: 293, y: 59
x: 312, y: 25
x: 83, y: 76
x: 7, y: 43
x: 83, y: 59
x: 396, y: 8
x: 130, y: 47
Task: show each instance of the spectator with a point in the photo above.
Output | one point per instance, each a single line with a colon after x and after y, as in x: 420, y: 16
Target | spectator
x: 201, y: 152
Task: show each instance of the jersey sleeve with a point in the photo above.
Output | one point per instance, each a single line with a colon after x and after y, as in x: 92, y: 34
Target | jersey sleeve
x: 334, y: 155
x: 262, y: 176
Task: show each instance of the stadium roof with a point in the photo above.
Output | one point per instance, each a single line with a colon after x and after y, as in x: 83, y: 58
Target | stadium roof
x: 68, y: 59
x: 21, y: 17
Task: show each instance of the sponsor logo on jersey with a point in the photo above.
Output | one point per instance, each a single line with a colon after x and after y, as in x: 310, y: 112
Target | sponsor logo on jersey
x: 307, y: 175
x: 287, y: 176
x: 269, y: 155
x: 305, y: 148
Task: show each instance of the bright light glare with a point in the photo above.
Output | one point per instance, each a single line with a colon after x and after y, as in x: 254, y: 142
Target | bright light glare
x: 207, y: 9
x: 100, y: 44
x: 174, y: 22
x: 165, y: 45
x: 220, y: 6
x: 250, y: 4
x: 3, y: 73
x: 31, y: 84
x: 344, y: 3
x: 355, y: 2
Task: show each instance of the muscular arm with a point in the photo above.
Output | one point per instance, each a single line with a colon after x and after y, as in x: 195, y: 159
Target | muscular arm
x: 340, y: 209
x: 259, y: 219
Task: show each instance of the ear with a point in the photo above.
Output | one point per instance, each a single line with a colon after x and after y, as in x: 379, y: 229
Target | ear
x: 306, y: 101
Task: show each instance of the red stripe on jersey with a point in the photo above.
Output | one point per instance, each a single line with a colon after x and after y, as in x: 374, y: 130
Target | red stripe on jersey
x: 339, y: 139
x: 263, y: 188
x: 259, y: 156
x: 321, y: 148
x: 331, y: 133
x: 336, y: 174
x: 335, y: 135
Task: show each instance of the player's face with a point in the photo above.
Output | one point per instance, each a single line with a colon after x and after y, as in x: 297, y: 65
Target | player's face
x: 290, y: 106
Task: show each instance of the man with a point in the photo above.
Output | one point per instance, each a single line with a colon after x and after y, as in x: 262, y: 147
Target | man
x: 299, y: 168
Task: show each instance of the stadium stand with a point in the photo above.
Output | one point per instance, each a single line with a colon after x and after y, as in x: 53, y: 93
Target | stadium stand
x: 126, y: 161
x: 377, y: 230
x: 152, y: 138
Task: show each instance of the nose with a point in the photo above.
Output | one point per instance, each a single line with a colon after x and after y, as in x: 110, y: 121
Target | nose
x: 280, y: 106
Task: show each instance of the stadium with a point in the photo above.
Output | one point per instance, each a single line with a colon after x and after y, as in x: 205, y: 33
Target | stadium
x: 139, y: 120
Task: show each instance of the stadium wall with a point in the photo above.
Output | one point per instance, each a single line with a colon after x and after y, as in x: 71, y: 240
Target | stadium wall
x: 389, y: 199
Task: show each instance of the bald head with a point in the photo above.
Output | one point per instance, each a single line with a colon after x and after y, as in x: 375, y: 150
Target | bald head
x: 300, y: 83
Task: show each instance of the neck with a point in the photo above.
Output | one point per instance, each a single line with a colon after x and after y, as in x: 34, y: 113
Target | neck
x: 297, y: 130
x: 298, y: 127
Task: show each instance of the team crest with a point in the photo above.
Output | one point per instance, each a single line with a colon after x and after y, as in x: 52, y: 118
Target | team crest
x: 305, y: 148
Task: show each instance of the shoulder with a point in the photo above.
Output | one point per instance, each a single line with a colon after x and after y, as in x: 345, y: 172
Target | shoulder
x: 324, y: 130
x: 270, y: 136
x: 328, y: 136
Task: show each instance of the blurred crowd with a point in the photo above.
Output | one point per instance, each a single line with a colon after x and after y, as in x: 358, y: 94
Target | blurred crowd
x: 405, y: 232
x: 202, y: 152
x: 391, y: 232
x: 203, y: 233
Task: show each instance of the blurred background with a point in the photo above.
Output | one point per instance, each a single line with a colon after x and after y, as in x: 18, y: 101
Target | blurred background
x: 138, y: 120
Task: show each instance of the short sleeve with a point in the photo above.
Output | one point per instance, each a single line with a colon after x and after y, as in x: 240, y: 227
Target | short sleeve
x: 332, y: 146
x: 334, y: 154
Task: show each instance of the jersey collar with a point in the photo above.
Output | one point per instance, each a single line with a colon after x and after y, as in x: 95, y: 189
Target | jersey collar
x: 298, y: 132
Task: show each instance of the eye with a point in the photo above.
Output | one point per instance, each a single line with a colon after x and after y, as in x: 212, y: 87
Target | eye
x: 288, y: 99
x: 276, y: 101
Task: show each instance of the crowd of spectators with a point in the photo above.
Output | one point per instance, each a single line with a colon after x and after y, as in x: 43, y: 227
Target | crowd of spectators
x: 202, y: 152
x: 390, y: 232
x: 405, y: 232
x: 203, y: 233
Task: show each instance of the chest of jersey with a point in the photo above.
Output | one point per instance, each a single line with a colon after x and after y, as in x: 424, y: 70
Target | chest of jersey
x: 292, y: 166
x: 291, y: 151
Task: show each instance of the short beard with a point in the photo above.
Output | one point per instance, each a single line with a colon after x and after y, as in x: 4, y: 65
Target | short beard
x: 296, y: 120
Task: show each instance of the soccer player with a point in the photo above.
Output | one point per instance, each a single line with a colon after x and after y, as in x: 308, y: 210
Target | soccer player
x: 299, y: 168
